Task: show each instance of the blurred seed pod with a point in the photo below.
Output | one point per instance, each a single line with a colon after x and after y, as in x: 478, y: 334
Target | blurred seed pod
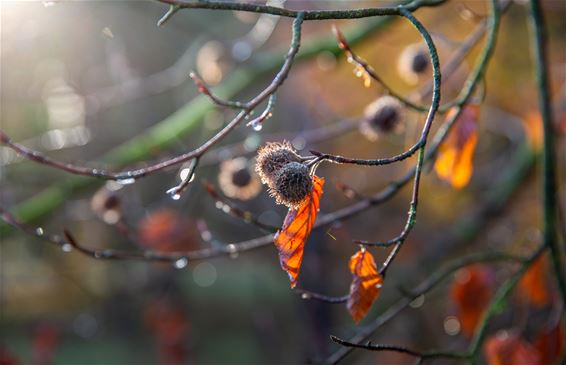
x: 413, y: 63
x: 293, y: 184
x: 271, y: 158
x: 213, y: 61
x: 238, y: 180
x: 107, y: 205
x: 166, y: 230
x: 383, y: 116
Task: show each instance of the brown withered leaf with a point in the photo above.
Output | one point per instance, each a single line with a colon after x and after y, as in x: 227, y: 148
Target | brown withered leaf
x: 365, y: 286
x: 510, y: 349
x: 290, y: 240
x: 454, y: 163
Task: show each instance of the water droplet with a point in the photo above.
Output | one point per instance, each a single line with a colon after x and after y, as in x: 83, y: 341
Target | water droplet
x: 181, y: 263
x: 126, y: 181
x: 226, y: 208
x: 305, y: 296
x: 451, y: 326
x: 418, y: 302
x: 39, y: 231
x: 256, y: 125
x: 173, y: 193
x: 219, y: 205
x: 67, y: 247
x: 232, y: 250
x: 378, y: 286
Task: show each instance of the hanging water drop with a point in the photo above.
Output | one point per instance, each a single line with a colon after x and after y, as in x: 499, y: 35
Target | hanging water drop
x: 257, y: 126
x: 232, y: 250
x: 174, y: 193
x: 126, y: 181
x: 181, y: 263
x: 67, y: 247
x: 39, y: 231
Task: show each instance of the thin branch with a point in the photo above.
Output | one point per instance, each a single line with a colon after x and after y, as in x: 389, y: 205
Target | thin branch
x: 131, y: 175
x: 424, y: 287
x: 230, y: 208
x: 550, y: 197
x: 420, y: 355
x: 466, y: 93
x: 203, y: 89
x: 308, y: 14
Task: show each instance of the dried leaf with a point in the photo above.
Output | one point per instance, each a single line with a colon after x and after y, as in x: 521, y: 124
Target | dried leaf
x: 550, y: 344
x: 365, y: 286
x: 506, y: 349
x: 533, y: 286
x: 471, y: 291
x: 454, y: 163
x: 290, y: 240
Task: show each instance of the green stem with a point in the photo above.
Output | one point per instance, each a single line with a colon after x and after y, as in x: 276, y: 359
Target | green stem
x: 539, y: 43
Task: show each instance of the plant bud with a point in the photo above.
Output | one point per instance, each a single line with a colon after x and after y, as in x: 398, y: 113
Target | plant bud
x: 381, y: 117
x: 414, y: 61
x: 237, y: 180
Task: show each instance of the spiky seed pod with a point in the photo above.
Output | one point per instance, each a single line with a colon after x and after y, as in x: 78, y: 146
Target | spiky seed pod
x: 413, y: 62
x: 384, y: 115
x: 292, y: 185
x: 271, y: 158
x: 238, y: 180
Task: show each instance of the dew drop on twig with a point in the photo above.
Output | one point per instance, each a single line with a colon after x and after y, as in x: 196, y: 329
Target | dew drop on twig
x: 126, y: 181
x: 67, y: 247
x: 181, y: 263
x: 39, y: 231
x: 232, y: 250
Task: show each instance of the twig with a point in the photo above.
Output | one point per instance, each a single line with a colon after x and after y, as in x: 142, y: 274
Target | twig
x: 308, y: 14
x: 549, y: 201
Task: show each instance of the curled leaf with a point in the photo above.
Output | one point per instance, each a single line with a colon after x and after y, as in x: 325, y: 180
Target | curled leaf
x: 290, y: 240
x: 471, y: 291
x: 454, y: 163
x: 365, y: 286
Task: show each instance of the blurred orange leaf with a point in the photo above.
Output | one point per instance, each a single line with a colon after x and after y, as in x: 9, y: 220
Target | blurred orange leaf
x: 505, y: 349
x: 533, y: 130
x: 290, y: 240
x: 533, y: 286
x: 366, y: 284
x: 454, y: 163
x: 166, y: 230
x: 550, y: 344
x: 471, y: 292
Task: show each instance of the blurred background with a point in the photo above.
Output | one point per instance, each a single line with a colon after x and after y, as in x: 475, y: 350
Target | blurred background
x: 79, y: 79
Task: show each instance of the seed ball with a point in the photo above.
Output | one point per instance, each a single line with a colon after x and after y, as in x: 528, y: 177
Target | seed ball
x: 292, y: 184
x: 238, y: 180
x: 414, y: 61
x: 381, y: 117
x: 271, y: 158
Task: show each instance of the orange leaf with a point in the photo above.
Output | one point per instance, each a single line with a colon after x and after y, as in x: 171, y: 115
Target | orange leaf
x: 550, y: 344
x: 366, y: 284
x: 290, y: 240
x: 471, y: 292
x: 533, y: 286
x: 505, y: 349
x: 454, y: 163
x: 533, y: 130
